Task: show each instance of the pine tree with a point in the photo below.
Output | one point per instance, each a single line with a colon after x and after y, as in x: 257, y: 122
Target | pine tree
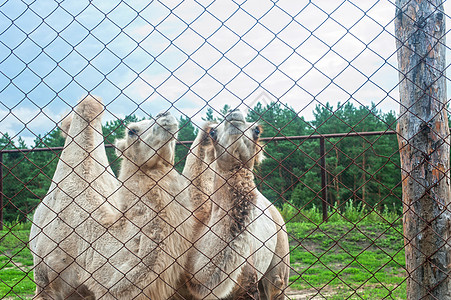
x: 113, y: 130
x: 187, y: 132
x: 209, y: 116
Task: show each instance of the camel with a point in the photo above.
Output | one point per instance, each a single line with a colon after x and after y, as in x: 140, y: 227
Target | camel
x: 95, y: 236
x: 242, y: 246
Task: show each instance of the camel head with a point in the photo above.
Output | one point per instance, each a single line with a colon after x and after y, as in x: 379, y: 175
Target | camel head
x: 149, y: 142
x: 236, y: 142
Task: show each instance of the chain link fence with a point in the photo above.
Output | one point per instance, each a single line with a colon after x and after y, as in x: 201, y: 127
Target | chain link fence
x: 215, y: 149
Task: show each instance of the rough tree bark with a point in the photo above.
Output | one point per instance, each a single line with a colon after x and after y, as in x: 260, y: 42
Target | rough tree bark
x: 423, y: 137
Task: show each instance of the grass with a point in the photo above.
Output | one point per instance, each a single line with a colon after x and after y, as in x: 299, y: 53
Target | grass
x: 353, y: 256
x: 15, y: 263
x: 356, y: 255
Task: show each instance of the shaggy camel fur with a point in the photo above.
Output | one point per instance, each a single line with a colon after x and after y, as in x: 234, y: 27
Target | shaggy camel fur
x: 198, y: 170
x: 240, y: 233
x: 97, y: 237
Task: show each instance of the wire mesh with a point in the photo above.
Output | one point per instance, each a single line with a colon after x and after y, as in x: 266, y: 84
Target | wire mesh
x: 168, y: 187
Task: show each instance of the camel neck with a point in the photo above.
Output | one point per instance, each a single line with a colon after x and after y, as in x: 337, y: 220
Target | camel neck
x: 239, y: 177
x: 236, y: 196
x: 155, y: 172
x: 224, y: 242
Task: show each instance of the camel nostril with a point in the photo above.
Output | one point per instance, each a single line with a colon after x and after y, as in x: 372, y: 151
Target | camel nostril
x: 235, y: 115
x: 163, y: 114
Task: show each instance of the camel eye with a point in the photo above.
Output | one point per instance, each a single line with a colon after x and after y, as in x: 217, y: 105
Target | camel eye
x: 132, y: 132
x: 213, y: 134
x: 257, y: 131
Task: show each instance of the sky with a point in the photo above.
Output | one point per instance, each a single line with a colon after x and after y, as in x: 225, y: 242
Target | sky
x: 143, y: 57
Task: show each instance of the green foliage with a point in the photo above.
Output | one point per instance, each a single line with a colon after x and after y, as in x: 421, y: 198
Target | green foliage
x: 16, y: 225
x: 284, y: 161
x: 26, y: 175
x: 112, y: 131
x: 352, y: 213
x: 187, y: 132
x: 363, y: 169
x: 291, y: 213
x: 209, y: 117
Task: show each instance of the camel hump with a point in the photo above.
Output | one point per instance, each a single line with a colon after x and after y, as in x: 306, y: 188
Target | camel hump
x: 90, y: 108
x: 65, y: 125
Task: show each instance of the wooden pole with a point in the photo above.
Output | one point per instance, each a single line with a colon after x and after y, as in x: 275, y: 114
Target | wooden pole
x: 423, y: 137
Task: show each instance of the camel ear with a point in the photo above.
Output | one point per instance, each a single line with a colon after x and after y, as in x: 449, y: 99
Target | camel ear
x: 260, y: 156
x: 120, y: 146
x: 65, y: 125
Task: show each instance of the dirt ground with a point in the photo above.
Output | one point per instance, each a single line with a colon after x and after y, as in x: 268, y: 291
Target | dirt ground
x: 308, y: 294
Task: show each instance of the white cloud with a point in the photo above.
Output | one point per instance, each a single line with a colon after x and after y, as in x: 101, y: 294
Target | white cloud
x: 28, y: 122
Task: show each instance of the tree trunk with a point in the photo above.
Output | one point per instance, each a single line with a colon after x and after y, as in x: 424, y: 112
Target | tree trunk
x: 424, y: 147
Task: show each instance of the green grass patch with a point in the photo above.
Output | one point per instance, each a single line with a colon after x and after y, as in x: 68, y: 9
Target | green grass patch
x: 347, y: 260
x: 16, y: 283
x: 16, y: 261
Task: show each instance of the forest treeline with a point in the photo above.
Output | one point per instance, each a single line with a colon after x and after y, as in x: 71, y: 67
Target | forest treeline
x: 364, y: 170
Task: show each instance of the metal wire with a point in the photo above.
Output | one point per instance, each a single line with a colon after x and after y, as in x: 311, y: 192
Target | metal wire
x: 321, y: 79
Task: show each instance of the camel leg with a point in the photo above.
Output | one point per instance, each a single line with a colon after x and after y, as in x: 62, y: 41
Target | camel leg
x: 271, y: 286
x: 82, y: 293
x: 49, y: 285
x: 274, y: 282
x: 60, y: 281
x: 247, y: 286
x: 59, y: 290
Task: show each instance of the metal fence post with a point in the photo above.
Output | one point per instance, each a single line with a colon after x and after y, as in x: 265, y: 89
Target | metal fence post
x: 424, y: 147
x: 322, y: 153
x: 1, y: 190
